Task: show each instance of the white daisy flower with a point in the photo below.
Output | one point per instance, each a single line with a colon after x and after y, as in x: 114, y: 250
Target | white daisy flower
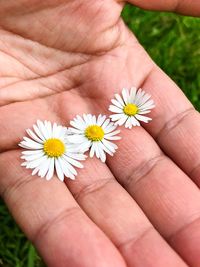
x: 130, y: 108
x: 94, y: 133
x: 49, y: 149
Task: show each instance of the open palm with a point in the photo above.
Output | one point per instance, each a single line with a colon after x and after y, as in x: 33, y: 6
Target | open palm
x: 142, y: 208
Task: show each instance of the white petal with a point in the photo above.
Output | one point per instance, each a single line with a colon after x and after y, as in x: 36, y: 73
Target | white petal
x: 57, y: 131
x: 73, y: 130
x: 105, y: 149
x: 119, y: 99
x: 147, y: 104
x: 34, y: 136
x: 134, y: 121
x: 116, y: 117
x: 50, y: 172
x: 94, y: 120
x: 117, y: 103
x: 64, y: 165
x: 59, y: 171
x: 74, y: 162
x: 44, y: 168
x: 33, y: 156
x: 128, y: 123
x: 30, y: 144
x: 111, y: 146
x: 133, y: 94
x: 79, y: 122
x: 96, y: 150
x: 76, y: 138
x: 35, y: 171
x: 68, y: 165
x: 67, y: 171
x: 77, y: 156
x: 105, y: 124
x: 115, y: 109
x: 42, y: 129
x: 32, y: 152
x: 125, y: 96
x: 38, y: 132
x: 102, y: 154
x: 144, y: 112
x: 82, y: 148
x: 145, y: 98
x: 143, y: 118
x: 101, y: 119
x: 112, y: 133
x: 122, y: 120
x: 35, y: 163
x: 139, y: 96
x: 87, y: 119
x: 63, y: 133
x: 92, y: 150
x: 78, y: 148
x: 113, y: 137
x: 48, y: 129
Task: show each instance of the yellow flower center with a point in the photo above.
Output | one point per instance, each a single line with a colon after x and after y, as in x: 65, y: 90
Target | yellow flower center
x: 130, y: 109
x: 54, y: 147
x: 94, y: 133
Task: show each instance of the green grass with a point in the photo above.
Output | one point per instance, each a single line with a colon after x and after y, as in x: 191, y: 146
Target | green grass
x: 173, y: 42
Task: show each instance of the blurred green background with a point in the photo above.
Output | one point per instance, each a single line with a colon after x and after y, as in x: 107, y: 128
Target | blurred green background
x: 174, y: 43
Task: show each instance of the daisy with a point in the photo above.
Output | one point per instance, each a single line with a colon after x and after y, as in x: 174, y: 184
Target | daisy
x: 49, y: 149
x: 94, y: 133
x: 130, y: 108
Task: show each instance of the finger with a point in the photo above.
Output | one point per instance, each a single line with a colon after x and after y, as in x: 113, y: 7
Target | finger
x: 52, y: 220
x: 115, y: 212
x: 167, y: 196
x: 175, y: 124
x: 187, y: 7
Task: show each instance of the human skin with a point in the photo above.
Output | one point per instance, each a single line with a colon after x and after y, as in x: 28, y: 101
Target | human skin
x: 60, y: 58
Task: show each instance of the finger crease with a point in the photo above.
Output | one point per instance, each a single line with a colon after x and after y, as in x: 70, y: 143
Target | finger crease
x: 172, y: 237
x: 133, y: 241
x: 47, y: 225
x: 96, y: 186
x: 174, y: 123
x: 16, y: 185
x: 143, y: 170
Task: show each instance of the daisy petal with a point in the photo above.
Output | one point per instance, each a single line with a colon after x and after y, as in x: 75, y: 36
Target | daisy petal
x: 34, y: 136
x: 134, y: 121
x: 74, y: 162
x: 125, y: 96
x: 117, y: 103
x: 119, y: 99
x: 92, y: 150
x: 116, y: 117
x: 102, y: 154
x: 122, y: 120
x: 50, y: 172
x: 115, y: 109
x: 101, y: 119
x: 59, y: 171
x: 143, y: 118
x: 133, y: 94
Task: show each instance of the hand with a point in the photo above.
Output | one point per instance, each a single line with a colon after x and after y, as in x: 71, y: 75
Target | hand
x: 62, y: 58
